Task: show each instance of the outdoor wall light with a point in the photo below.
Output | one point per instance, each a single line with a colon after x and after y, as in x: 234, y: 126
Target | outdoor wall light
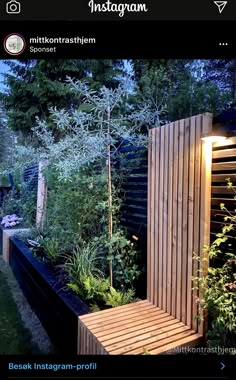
x: 213, y: 137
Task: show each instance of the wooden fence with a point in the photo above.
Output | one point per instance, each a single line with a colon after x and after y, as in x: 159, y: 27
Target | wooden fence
x: 179, y: 196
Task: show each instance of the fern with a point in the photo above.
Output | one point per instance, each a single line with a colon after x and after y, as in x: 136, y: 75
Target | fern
x: 116, y: 298
x: 74, y: 287
x: 95, y: 287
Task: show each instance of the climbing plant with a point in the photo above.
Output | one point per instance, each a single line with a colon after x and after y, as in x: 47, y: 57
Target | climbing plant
x: 218, y: 287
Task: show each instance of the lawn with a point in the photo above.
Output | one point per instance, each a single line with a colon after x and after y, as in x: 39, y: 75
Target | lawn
x: 14, y: 337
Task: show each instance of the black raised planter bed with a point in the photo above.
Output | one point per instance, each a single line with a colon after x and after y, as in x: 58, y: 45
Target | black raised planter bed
x: 1, y: 236
x: 57, y: 309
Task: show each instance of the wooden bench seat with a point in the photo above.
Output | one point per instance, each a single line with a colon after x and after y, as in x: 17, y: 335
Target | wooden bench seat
x: 132, y: 329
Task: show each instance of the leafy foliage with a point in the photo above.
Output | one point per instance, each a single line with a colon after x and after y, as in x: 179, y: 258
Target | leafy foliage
x: 219, y: 286
x: 82, y: 263
x: 98, y: 291
x: 82, y: 230
x: 52, y: 249
x: 35, y: 85
x: 183, y: 87
x: 91, y: 288
x: 20, y: 201
x: 75, y: 209
x: 116, y: 298
x: 125, y: 259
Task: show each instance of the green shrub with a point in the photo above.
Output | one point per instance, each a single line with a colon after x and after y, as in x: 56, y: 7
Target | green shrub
x: 51, y: 248
x: 82, y: 263
x: 98, y: 291
x: 22, y: 202
x: 116, y: 298
x: 125, y: 259
x: 219, y: 295
x: 91, y: 288
x: 219, y: 286
x: 11, y: 203
x: 75, y: 209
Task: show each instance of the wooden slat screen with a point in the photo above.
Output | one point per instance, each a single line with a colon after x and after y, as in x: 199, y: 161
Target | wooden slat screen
x: 179, y: 193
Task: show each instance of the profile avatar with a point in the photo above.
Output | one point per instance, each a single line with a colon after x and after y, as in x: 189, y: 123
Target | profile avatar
x: 14, y: 44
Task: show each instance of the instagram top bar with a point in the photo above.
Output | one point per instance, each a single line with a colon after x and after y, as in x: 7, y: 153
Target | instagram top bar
x: 78, y: 10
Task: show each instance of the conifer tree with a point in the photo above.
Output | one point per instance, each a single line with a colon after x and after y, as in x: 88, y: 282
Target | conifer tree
x: 33, y: 86
x: 185, y: 87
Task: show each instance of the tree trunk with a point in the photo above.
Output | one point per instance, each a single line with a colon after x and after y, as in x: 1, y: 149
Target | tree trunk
x: 110, y: 221
x: 41, y: 196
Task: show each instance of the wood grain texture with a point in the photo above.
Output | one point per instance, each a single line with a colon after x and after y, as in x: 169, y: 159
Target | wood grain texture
x: 170, y: 217
x: 155, y: 331
x: 205, y: 210
x: 182, y: 206
x: 179, y: 196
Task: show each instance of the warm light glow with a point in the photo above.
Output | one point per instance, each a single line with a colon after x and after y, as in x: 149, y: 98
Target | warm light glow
x: 208, y: 156
x: 214, y: 139
x: 226, y: 142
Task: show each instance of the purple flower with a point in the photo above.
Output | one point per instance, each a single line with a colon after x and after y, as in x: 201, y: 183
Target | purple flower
x: 11, y: 220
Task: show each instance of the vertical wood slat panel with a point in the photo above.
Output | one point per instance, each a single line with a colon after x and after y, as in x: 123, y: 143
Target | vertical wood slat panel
x: 205, y: 209
x: 165, y: 216
x: 156, y: 254
x: 81, y: 338
x: 160, y: 211
x: 177, y: 192
x: 153, y: 240
x: 170, y: 221
x: 196, y: 217
x: 79, y: 346
x: 185, y: 226
x: 88, y: 344
x: 151, y: 177
x: 175, y: 221
x: 180, y: 221
x: 191, y: 221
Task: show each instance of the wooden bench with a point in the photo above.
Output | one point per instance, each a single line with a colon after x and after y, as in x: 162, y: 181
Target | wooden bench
x: 178, y: 225
x: 132, y: 329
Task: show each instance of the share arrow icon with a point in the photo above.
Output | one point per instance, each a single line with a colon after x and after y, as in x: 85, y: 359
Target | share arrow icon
x: 221, y: 5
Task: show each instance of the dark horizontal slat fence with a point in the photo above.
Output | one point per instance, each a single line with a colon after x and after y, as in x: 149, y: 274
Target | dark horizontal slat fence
x: 133, y: 165
x: 30, y: 177
x: 134, y: 211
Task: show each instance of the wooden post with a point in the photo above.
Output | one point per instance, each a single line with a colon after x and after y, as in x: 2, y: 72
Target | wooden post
x: 41, y: 196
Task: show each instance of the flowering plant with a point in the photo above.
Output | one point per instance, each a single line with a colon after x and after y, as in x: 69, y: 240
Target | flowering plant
x: 10, y: 220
